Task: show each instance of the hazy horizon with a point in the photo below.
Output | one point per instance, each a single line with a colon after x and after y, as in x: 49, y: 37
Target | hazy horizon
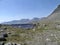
x: 26, y: 9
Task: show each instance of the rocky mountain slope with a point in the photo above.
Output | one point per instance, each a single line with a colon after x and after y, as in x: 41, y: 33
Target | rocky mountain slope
x: 55, y: 16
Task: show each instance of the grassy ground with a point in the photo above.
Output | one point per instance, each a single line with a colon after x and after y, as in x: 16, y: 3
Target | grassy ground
x: 21, y: 35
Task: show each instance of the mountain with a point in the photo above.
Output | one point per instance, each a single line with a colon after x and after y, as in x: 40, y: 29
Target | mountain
x: 22, y: 21
x: 55, y: 15
x: 35, y: 20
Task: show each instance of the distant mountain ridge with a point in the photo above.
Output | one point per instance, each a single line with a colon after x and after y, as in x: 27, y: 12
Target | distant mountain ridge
x: 22, y: 21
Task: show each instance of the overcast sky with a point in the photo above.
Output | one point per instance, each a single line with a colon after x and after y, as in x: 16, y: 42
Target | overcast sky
x: 19, y: 9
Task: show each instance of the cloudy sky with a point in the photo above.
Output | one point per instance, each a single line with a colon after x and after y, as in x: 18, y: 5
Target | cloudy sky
x: 19, y: 9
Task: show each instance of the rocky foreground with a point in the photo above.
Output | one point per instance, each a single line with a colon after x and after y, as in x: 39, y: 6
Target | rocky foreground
x: 47, y: 37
